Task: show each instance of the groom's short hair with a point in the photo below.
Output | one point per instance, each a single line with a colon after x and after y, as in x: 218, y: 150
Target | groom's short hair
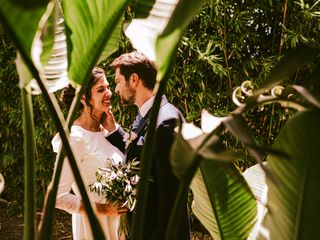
x: 136, y: 62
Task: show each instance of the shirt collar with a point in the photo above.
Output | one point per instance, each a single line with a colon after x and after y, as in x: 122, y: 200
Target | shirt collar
x: 146, y: 106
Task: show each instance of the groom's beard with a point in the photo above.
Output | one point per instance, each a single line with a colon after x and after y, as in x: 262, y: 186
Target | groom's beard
x: 130, y: 97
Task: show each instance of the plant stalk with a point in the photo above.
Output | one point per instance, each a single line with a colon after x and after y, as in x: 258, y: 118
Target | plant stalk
x: 29, y: 163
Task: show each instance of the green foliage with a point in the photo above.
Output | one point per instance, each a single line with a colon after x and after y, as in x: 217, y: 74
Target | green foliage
x: 296, y: 193
x: 11, y: 163
x: 11, y: 125
x: 229, y: 42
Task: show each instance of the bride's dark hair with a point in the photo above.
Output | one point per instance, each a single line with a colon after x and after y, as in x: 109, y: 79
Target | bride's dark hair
x: 68, y: 92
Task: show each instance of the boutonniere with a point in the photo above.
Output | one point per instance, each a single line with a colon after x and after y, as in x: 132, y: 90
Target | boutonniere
x: 129, y: 137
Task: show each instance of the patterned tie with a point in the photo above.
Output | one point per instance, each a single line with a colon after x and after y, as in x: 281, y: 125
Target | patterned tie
x: 136, y: 123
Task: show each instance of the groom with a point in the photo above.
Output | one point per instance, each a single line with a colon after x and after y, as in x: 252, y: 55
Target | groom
x: 135, y: 78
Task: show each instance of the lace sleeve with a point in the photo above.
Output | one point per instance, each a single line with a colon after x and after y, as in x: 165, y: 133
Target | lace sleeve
x: 69, y: 202
x: 66, y: 200
x: 80, y: 146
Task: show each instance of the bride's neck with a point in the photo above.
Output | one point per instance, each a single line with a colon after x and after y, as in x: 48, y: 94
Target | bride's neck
x: 89, y: 121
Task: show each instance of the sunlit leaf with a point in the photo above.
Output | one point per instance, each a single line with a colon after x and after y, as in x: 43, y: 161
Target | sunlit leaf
x: 293, y: 203
x: 150, y: 21
x: 55, y: 65
x: 256, y: 179
x: 26, y: 23
x: 209, y: 122
x: 223, y: 202
x: 183, y: 155
x: 90, y: 25
x: 112, y: 44
x: 21, y: 20
x: 161, y: 28
x: 218, y: 187
x: 237, y: 96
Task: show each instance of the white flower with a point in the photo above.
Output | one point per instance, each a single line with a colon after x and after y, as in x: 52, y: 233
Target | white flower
x: 134, y: 180
x: 113, y: 175
x: 208, y: 124
x: 128, y: 188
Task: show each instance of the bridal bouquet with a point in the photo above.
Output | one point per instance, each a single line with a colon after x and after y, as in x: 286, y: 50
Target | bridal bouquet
x: 117, y: 183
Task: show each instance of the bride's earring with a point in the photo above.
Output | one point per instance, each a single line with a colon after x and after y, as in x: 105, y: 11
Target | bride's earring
x: 85, y: 107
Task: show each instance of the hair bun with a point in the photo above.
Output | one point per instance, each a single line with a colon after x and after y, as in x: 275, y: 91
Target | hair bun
x: 67, y: 96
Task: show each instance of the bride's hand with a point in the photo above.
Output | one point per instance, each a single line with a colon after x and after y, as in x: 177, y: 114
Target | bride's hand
x: 108, y: 121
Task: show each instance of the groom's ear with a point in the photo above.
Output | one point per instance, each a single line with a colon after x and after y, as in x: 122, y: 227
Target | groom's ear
x: 134, y: 80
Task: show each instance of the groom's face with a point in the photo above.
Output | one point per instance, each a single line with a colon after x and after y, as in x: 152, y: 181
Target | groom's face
x: 123, y: 88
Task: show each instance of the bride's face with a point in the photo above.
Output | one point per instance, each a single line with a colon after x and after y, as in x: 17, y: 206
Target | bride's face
x: 100, y: 96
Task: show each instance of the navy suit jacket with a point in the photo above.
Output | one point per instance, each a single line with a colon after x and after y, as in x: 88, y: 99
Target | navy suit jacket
x: 164, y: 185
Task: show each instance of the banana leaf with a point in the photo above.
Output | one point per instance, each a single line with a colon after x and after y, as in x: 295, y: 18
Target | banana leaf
x: 89, y: 28
x: 223, y: 201
x: 21, y: 20
x: 158, y: 26
x: 256, y: 179
x: 293, y: 204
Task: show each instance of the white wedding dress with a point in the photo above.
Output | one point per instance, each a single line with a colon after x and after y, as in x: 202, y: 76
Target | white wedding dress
x: 91, y: 149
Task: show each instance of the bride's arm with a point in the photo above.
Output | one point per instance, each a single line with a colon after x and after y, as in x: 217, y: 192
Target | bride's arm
x: 66, y: 200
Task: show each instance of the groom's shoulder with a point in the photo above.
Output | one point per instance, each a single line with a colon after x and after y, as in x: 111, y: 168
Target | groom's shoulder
x: 168, y: 111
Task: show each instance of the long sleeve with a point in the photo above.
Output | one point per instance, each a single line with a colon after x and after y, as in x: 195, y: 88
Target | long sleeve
x: 65, y: 199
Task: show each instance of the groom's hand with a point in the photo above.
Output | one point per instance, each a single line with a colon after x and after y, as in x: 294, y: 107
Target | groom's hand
x: 108, y: 121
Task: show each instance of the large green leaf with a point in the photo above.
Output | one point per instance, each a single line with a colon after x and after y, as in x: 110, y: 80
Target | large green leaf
x: 223, y: 201
x: 90, y: 25
x: 293, y: 204
x: 170, y: 37
x: 27, y: 23
x: 158, y: 27
x: 21, y: 20
x: 256, y: 179
x: 49, y: 56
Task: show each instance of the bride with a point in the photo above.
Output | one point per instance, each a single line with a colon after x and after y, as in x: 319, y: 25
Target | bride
x: 87, y: 139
